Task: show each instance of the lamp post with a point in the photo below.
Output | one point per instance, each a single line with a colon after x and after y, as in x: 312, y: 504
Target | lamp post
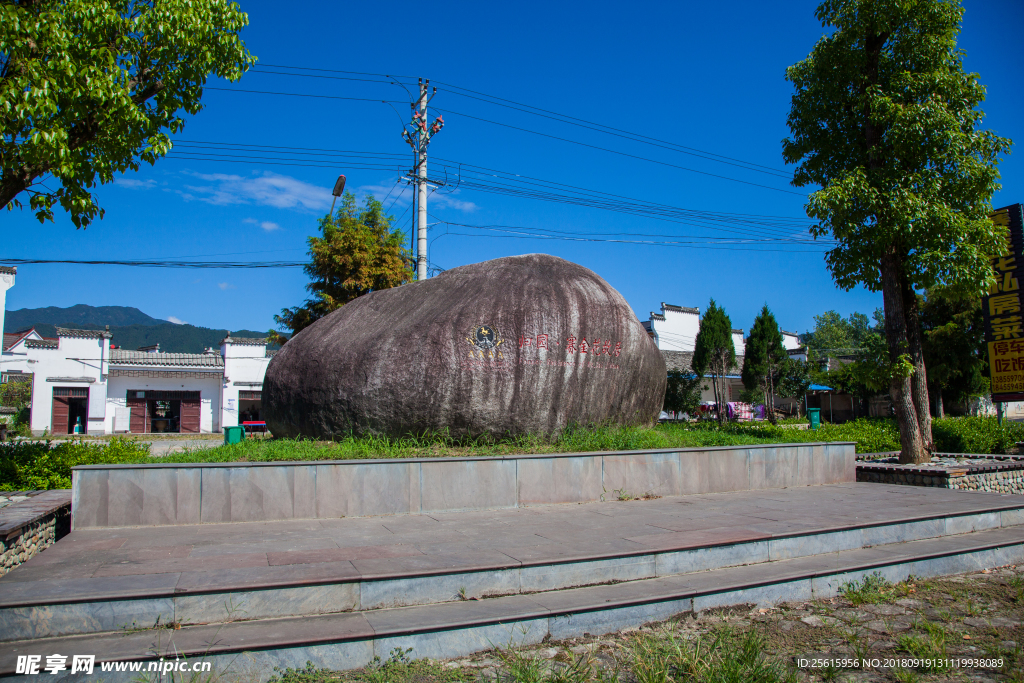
x: 339, y: 187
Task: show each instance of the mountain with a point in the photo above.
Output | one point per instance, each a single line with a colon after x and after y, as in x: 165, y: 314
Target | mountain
x: 78, y: 316
x: 172, y: 338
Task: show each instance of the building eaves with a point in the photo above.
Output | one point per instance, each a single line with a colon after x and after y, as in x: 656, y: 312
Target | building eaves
x: 8, y: 270
x: 244, y: 341
x: 185, y: 360
x: 657, y: 316
x: 679, y: 309
x: 271, y: 353
x: 83, y: 334
x: 42, y: 344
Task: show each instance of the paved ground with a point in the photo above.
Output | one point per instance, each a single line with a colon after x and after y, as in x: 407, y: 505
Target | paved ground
x: 212, y: 556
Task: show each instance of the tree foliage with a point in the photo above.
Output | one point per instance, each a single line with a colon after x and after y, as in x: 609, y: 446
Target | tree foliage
x: 833, y: 333
x: 764, y: 358
x: 885, y: 120
x: 89, y: 88
x: 682, y: 393
x: 357, y: 253
x: 714, y: 353
x: 954, y: 346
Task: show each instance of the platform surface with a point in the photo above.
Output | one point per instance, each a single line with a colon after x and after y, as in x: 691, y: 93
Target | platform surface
x: 133, y: 562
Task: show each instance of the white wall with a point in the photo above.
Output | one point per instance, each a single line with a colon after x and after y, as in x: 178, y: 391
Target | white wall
x: 245, y: 366
x: 790, y: 341
x: 678, y: 331
x: 738, y: 343
x: 209, y: 395
x: 75, y: 358
x: 6, y: 282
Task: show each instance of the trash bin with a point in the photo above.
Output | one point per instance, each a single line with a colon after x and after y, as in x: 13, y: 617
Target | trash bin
x: 234, y: 434
x: 814, y: 415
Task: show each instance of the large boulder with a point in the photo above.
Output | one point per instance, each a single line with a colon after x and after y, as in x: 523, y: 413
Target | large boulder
x: 518, y: 345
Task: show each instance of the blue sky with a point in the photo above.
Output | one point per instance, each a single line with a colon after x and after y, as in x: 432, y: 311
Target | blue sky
x: 708, y: 76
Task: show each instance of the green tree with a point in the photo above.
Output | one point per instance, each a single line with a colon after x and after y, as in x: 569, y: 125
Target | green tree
x: 714, y: 353
x: 357, y: 253
x: 834, y: 333
x: 682, y: 393
x: 89, y: 88
x: 954, y: 346
x: 763, y: 359
x: 885, y: 120
x: 794, y: 380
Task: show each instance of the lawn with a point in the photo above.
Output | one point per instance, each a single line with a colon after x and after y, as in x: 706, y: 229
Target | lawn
x: 44, y: 465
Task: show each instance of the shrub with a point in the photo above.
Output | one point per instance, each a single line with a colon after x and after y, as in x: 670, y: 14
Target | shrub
x: 34, y: 465
x: 975, y: 435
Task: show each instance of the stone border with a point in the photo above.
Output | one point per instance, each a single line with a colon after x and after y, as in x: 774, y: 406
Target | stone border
x: 1002, y: 474
x: 196, y: 493
x: 33, y: 522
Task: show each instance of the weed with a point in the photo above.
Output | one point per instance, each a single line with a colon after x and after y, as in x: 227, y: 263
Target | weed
x: 872, y: 590
x: 905, y: 676
x: 1016, y: 582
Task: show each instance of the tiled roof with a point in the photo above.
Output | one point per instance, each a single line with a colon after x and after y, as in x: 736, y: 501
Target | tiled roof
x: 12, y: 338
x: 42, y: 344
x: 9, y: 270
x: 678, y: 309
x: 657, y: 316
x: 204, y: 360
x: 83, y: 334
x: 244, y: 341
x: 272, y: 352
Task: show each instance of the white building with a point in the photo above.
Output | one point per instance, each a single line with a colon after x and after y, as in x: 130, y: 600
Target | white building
x: 78, y: 379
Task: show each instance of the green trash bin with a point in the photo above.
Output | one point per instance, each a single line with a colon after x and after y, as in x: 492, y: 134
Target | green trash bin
x: 234, y: 434
x: 814, y: 415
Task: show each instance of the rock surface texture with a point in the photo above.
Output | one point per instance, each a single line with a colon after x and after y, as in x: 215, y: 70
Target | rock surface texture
x: 523, y: 344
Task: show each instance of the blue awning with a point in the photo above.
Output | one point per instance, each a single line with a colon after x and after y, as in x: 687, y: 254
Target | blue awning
x: 819, y: 387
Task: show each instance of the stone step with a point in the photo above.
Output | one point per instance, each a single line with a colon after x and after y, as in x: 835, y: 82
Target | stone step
x: 442, y: 630
x: 38, y: 609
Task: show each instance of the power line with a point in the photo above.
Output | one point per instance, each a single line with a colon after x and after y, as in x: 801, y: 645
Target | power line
x: 162, y: 264
x: 533, y: 132
x: 502, y: 182
x: 547, y: 113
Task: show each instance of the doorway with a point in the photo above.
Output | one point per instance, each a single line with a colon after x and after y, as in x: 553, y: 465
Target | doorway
x: 164, y: 412
x: 70, y: 408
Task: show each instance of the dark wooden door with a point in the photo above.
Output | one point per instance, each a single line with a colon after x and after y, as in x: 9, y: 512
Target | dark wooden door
x: 138, y: 423
x: 190, y: 412
x: 59, y: 417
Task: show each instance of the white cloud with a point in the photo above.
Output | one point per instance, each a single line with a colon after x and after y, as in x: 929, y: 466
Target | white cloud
x: 266, y: 225
x: 266, y: 188
x: 176, y: 321
x: 133, y: 184
x: 226, y: 285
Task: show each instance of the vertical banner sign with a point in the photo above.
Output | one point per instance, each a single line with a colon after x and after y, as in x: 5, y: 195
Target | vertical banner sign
x: 1004, y: 319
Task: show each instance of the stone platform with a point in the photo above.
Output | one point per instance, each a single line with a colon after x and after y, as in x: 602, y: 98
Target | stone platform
x: 168, y: 494
x: 252, y: 596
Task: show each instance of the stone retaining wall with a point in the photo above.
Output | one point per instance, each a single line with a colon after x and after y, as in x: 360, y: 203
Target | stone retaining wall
x: 31, y: 521
x: 995, y: 482
x: 960, y: 471
x: 197, y: 493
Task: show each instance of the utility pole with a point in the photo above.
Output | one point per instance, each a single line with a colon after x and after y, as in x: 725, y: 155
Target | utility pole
x: 423, y: 134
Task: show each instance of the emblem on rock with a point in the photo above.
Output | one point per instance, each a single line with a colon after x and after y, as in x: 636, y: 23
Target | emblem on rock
x: 485, y: 341
x: 559, y: 347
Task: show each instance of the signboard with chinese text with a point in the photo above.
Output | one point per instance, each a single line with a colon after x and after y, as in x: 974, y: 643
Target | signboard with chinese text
x: 1004, y: 324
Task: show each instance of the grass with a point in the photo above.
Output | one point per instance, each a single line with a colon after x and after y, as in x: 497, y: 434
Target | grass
x: 46, y: 465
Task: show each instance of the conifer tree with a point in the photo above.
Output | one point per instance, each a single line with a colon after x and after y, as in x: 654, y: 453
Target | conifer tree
x: 714, y: 353
x: 764, y: 358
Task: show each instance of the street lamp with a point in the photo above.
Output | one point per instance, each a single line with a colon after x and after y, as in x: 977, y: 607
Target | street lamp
x: 339, y: 187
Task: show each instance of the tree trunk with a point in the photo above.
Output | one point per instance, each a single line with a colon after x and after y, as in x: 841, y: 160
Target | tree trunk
x: 938, y: 402
x: 919, y: 380
x: 900, y: 390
